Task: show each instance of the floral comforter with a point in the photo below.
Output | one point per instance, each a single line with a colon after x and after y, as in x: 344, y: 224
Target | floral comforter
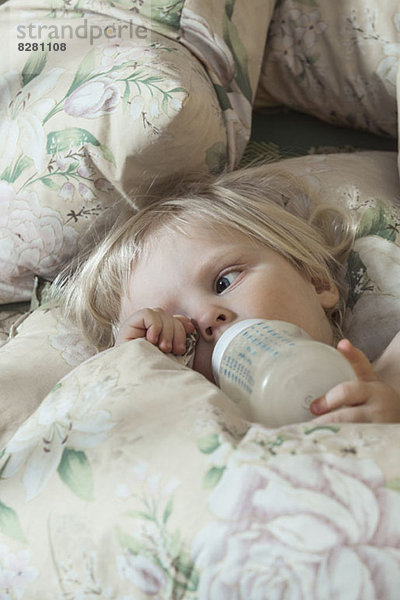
x: 126, y: 475
x: 120, y: 486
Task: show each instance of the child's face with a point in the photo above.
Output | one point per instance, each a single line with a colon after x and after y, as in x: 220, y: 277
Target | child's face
x: 217, y: 281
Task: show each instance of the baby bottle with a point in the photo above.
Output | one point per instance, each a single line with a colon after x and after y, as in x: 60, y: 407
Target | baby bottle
x: 273, y: 370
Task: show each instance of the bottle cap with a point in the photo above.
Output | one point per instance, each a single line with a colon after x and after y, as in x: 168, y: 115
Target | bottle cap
x: 225, y: 340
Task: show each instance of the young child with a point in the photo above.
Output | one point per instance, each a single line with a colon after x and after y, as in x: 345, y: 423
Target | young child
x: 248, y: 244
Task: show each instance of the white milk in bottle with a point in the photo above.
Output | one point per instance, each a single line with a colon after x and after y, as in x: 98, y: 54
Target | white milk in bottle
x: 273, y: 370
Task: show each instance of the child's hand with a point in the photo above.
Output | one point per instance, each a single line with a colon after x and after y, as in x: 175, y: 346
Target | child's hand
x: 162, y: 329
x: 368, y: 400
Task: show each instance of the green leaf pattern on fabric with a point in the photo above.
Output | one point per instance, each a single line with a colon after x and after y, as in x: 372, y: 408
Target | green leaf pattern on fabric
x: 394, y: 484
x: 154, y: 549
x: 84, y: 71
x: 94, y: 92
x: 232, y: 40
x: 9, y: 523
x: 56, y: 438
x: 74, y: 469
x: 377, y: 220
x: 167, y: 12
x: 209, y: 443
x: 34, y: 66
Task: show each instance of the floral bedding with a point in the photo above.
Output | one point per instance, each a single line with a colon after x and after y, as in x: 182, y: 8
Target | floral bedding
x: 122, y: 486
x: 335, y: 60
x: 137, y: 478
x: 100, y: 99
x: 125, y: 475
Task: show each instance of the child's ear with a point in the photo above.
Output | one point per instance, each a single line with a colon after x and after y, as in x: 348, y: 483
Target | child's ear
x: 328, y: 293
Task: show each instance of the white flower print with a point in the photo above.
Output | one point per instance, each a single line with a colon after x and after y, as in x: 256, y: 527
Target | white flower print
x: 293, y: 36
x: 309, y: 27
x: 303, y: 527
x: 388, y: 67
x: 122, y: 52
x: 15, y: 573
x: 282, y: 48
x: 146, y: 103
x: 67, y: 191
x: 137, y: 107
x: 22, y: 111
x: 281, y: 23
x: 97, y: 97
x: 85, y: 171
x: 176, y: 104
x: 59, y: 422
x: 62, y: 162
x: 73, y: 346
x: 33, y: 239
x: 86, y: 192
x: 152, y: 482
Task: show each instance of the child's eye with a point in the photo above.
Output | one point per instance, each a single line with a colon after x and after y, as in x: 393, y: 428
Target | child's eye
x: 225, y: 281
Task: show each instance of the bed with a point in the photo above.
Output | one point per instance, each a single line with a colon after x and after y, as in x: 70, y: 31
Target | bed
x: 125, y: 475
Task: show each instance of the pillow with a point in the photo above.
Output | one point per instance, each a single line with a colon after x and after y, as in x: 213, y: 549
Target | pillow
x: 225, y: 36
x: 84, y: 122
x: 335, y: 60
x: 367, y: 183
x: 144, y: 483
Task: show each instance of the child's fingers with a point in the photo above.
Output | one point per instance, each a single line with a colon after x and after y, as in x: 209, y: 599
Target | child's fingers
x: 348, y: 414
x: 376, y: 402
x: 144, y: 323
x: 360, y: 363
x: 182, y: 327
x: 166, y: 336
x: 159, y: 327
x: 349, y: 393
x: 186, y: 322
x: 153, y: 324
x: 366, y: 400
x: 172, y: 337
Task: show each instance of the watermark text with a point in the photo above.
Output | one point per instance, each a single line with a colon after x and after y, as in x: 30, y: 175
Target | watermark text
x: 85, y: 31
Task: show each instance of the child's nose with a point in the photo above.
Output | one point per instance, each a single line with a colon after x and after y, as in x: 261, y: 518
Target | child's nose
x: 214, y: 322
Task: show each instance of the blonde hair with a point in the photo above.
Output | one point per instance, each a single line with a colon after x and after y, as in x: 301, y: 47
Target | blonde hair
x: 262, y: 203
